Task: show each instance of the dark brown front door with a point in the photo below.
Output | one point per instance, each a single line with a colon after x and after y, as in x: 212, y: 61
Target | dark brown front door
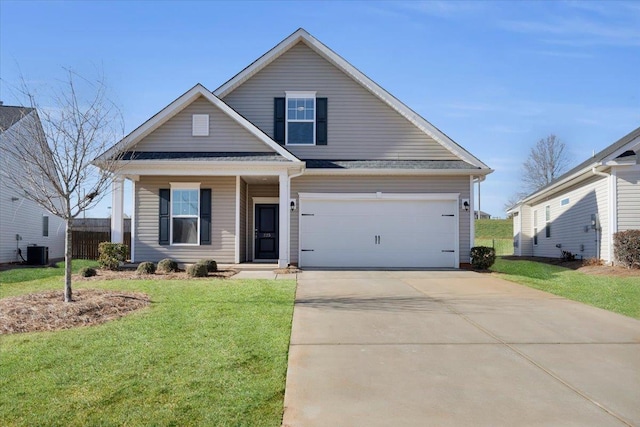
x: 266, y: 232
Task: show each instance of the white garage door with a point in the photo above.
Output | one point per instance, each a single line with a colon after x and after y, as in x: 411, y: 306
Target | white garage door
x: 375, y: 230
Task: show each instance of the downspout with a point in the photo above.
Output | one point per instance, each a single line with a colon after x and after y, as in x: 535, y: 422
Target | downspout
x: 609, y: 214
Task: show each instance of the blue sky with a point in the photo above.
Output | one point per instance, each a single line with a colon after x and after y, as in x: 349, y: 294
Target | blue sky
x: 494, y: 76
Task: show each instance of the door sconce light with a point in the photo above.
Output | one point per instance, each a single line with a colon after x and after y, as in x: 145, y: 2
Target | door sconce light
x: 293, y: 205
x: 465, y: 205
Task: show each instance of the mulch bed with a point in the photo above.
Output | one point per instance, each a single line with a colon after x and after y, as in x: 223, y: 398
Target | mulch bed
x: 132, y: 275
x: 47, y: 311
x: 583, y: 266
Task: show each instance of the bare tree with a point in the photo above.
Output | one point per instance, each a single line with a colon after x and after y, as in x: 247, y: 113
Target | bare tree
x: 513, y: 200
x: 547, y: 161
x: 56, y: 145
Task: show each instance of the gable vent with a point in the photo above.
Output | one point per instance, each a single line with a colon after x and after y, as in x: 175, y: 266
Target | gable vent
x: 200, y: 125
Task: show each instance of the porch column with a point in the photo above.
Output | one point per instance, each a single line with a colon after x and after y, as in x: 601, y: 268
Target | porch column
x: 283, y: 226
x: 117, y: 208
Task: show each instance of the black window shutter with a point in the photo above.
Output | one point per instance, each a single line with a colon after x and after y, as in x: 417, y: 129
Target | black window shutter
x: 278, y: 120
x: 205, y: 216
x: 321, y: 121
x: 165, y: 199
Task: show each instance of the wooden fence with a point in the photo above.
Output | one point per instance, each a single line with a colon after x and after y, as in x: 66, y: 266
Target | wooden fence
x: 85, y: 243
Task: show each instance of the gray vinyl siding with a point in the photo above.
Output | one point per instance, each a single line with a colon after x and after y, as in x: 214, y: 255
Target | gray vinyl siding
x: 568, y: 222
x: 243, y: 221
x: 360, y: 125
x: 628, y: 189
x: 223, y: 217
x: 387, y: 184
x: 23, y: 216
x: 225, y: 134
x: 259, y: 190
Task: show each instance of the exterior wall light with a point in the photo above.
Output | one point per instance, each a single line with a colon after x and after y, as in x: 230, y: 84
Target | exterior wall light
x: 465, y: 205
x: 293, y: 205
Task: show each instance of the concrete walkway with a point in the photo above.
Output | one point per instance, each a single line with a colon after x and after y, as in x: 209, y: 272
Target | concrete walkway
x: 455, y: 348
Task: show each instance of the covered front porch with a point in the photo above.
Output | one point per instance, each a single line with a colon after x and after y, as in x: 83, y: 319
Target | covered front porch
x: 244, y: 215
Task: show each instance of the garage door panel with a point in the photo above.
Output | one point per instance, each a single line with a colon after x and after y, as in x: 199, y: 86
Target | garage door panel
x: 378, y: 233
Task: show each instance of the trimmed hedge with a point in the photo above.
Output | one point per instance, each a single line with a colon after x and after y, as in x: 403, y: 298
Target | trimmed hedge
x: 167, y: 265
x: 111, y: 255
x: 212, y: 266
x: 626, y: 247
x: 87, y: 272
x: 197, y: 270
x: 146, y: 268
x: 482, y: 257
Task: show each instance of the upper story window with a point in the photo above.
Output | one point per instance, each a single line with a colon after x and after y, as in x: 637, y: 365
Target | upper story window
x: 185, y: 214
x: 301, y: 118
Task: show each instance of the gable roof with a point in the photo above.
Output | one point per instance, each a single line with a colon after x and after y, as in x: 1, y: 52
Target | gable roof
x: 617, y: 150
x: 178, y: 105
x: 10, y: 115
x: 302, y: 35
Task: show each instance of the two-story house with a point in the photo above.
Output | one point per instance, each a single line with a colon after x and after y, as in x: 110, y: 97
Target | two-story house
x: 298, y: 159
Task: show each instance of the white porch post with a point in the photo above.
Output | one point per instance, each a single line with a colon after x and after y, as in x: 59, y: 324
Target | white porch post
x: 117, y: 210
x: 283, y: 226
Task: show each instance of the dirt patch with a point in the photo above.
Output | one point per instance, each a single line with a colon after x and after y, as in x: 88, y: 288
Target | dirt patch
x: 292, y: 269
x: 132, y: 275
x: 583, y: 266
x: 47, y: 311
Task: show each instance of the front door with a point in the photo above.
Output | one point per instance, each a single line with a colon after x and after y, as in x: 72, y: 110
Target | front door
x: 266, y: 232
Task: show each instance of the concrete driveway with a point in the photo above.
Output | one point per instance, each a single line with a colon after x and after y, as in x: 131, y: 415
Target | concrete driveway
x: 455, y: 348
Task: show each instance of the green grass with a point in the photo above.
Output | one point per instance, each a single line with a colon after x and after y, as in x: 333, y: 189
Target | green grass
x: 17, y: 275
x: 617, y: 294
x: 502, y: 246
x: 494, y: 228
x: 206, y: 352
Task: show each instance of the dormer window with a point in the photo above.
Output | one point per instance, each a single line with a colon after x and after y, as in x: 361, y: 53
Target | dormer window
x: 301, y: 118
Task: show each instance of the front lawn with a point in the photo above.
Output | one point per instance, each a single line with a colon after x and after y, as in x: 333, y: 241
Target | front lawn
x: 618, y: 294
x: 206, y: 352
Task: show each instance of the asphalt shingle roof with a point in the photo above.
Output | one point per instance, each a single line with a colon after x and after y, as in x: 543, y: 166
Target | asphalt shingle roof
x: 10, y: 115
x: 199, y: 156
x: 388, y: 164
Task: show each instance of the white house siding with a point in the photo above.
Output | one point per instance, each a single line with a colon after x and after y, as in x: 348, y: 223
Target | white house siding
x: 360, y: 125
x: 225, y: 134
x: 385, y: 184
x: 258, y: 190
x: 526, y: 240
x: 23, y: 216
x: 568, y: 222
x: 628, y: 188
x: 223, y: 219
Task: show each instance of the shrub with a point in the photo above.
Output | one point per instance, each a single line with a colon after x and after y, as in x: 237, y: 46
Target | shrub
x: 146, y: 268
x: 626, y: 247
x: 111, y: 255
x: 212, y: 266
x: 482, y: 257
x: 87, y: 272
x: 568, y: 256
x: 167, y: 265
x: 197, y: 270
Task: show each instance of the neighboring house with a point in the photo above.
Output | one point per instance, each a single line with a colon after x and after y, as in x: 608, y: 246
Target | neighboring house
x: 22, y: 222
x: 298, y: 159
x: 481, y: 215
x: 581, y: 210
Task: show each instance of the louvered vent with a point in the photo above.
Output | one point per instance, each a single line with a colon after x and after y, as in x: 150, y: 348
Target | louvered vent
x: 200, y: 125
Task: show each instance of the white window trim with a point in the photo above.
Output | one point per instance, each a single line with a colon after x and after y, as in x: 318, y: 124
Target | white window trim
x: 299, y: 94
x: 183, y: 186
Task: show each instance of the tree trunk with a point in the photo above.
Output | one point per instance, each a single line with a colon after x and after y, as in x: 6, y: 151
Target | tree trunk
x: 67, y: 263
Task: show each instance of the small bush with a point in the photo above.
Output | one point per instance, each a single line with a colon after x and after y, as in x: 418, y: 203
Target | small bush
x: 592, y: 261
x: 568, y: 256
x: 146, y: 268
x: 87, y: 272
x: 111, y: 255
x: 626, y: 247
x: 197, y: 270
x: 482, y: 257
x: 167, y: 265
x: 212, y: 266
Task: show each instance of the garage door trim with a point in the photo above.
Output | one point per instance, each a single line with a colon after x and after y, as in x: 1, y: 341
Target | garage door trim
x: 454, y: 197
